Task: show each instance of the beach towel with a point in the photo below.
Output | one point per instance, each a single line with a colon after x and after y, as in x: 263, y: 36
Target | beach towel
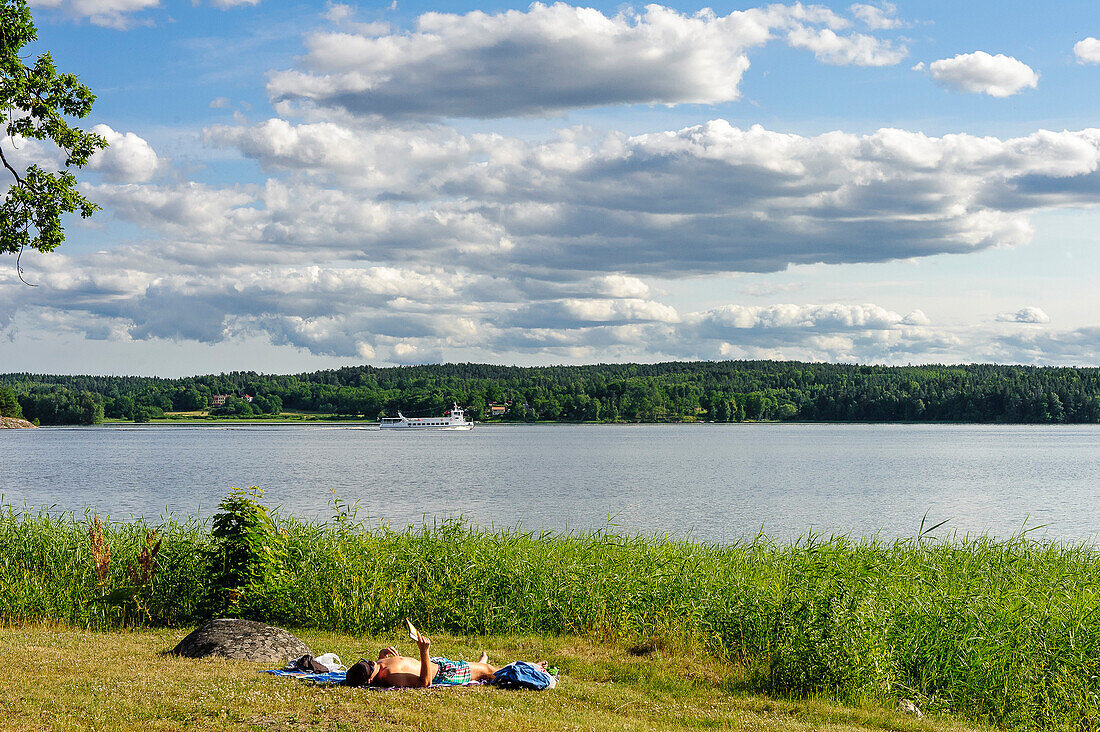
x: 332, y: 677
x: 337, y: 677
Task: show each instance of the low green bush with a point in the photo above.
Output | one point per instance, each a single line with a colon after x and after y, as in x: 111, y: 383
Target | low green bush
x: 246, y: 559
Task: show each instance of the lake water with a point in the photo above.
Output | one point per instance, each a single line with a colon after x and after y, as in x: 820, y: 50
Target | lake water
x: 716, y: 482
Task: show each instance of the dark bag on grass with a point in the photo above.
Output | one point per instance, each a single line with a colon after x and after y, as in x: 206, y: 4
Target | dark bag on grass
x: 309, y: 664
x: 523, y: 675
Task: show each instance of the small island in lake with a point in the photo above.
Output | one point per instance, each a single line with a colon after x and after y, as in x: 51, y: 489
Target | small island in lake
x: 14, y: 423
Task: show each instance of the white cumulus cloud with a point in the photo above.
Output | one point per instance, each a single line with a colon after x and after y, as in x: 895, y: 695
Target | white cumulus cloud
x: 226, y: 4
x: 982, y: 73
x: 410, y: 242
x: 831, y: 317
x: 389, y: 159
x: 701, y: 200
x: 127, y: 158
x: 1024, y: 315
x: 190, y: 208
x: 552, y: 58
x: 1087, y: 51
x: 851, y: 50
x: 877, y: 17
x: 416, y: 314
x: 118, y: 14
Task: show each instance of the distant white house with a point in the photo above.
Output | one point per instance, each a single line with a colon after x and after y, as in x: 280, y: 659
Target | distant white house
x: 218, y: 400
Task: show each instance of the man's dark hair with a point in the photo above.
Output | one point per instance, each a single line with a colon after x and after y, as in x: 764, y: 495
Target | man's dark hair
x: 359, y: 674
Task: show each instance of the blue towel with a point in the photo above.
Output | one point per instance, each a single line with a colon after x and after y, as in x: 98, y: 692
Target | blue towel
x: 337, y: 677
x: 332, y: 677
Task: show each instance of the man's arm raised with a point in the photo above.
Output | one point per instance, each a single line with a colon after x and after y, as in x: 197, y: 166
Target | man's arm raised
x: 424, y: 643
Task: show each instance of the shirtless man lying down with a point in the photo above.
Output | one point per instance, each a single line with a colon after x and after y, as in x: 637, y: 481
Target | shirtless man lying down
x: 393, y: 669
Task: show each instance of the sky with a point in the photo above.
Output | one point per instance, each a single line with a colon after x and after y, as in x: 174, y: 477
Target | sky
x: 298, y: 186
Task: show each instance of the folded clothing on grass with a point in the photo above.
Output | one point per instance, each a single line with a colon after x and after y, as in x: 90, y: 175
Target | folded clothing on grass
x: 320, y: 665
x: 524, y: 675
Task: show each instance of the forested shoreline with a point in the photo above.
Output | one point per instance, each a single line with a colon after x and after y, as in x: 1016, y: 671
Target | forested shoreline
x: 726, y: 391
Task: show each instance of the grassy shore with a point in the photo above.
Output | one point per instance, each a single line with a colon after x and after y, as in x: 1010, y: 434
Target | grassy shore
x: 123, y: 681
x: 1005, y: 633
x: 287, y: 417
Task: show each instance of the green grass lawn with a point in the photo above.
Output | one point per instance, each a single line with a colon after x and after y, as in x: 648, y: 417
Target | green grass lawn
x: 62, y: 678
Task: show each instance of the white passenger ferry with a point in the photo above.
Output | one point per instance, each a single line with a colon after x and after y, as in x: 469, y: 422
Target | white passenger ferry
x: 452, y: 419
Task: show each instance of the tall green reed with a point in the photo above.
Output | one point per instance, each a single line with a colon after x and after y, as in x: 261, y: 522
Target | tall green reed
x: 1006, y: 632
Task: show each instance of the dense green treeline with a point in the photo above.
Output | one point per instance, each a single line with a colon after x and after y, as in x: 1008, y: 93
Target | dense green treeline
x: 9, y: 405
x: 52, y: 405
x: 727, y: 391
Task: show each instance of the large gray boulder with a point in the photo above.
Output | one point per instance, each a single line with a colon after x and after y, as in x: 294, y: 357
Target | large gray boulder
x: 11, y: 423
x: 245, y: 640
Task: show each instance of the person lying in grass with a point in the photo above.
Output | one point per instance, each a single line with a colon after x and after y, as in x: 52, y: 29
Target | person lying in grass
x: 393, y: 669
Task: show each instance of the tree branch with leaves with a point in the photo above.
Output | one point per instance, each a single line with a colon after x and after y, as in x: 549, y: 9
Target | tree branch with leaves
x: 35, y: 102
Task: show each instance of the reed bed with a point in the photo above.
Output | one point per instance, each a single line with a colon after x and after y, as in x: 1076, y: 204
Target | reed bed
x: 1005, y: 632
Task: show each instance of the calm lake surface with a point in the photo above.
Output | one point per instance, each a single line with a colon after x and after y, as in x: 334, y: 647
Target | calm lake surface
x: 715, y: 482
